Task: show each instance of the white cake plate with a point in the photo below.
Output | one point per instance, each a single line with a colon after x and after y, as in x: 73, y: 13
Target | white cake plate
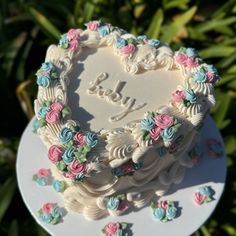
x: 32, y: 155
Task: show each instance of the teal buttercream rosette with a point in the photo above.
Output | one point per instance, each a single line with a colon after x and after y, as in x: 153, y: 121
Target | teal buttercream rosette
x: 47, y: 74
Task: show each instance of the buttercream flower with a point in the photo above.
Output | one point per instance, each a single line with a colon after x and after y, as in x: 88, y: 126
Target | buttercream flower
x: 112, y: 228
x: 171, y: 212
x: 113, y: 203
x: 147, y: 124
x: 200, y: 77
x: 154, y: 42
x: 168, y: 134
x: 55, y: 153
x: 79, y: 138
x: 42, y: 181
x: 46, y: 218
x: 56, y: 212
x: 66, y: 135
x: 43, y: 112
x: 91, y: 139
x: 178, y: 96
x: 53, y: 117
x: 128, y: 49
x: 181, y: 58
x: 74, y: 44
x: 123, y: 206
x: 43, y: 172
x: 191, y: 52
x: 56, y: 106
x: 191, y: 63
x: 159, y: 213
x: 163, y: 204
x: 198, y: 198
x: 43, y: 80
x: 205, y: 190
x: 164, y: 121
x: 121, y: 42
x: 190, y: 96
x: 47, y: 66
x: 142, y: 38
x: 92, y: 25
x: 76, y: 167
x: 155, y: 133
x: 210, y: 76
x: 47, y: 208
x: 58, y: 186
x: 73, y: 34
x: 127, y: 168
x: 69, y: 155
x: 103, y: 30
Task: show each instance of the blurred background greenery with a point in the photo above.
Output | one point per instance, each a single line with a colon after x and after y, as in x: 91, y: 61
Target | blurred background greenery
x: 27, y: 27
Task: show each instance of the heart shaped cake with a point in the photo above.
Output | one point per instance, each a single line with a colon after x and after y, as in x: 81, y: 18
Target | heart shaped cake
x: 121, y: 116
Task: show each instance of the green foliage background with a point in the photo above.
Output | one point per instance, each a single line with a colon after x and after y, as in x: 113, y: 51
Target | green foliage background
x: 27, y: 27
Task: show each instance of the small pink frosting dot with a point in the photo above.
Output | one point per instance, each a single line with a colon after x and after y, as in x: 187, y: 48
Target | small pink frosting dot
x: 47, y: 208
x: 43, y: 172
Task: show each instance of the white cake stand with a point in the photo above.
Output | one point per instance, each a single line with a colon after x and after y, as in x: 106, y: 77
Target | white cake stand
x: 32, y: 155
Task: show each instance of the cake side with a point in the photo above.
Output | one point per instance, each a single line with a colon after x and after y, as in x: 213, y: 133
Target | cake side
x: 139, y: 160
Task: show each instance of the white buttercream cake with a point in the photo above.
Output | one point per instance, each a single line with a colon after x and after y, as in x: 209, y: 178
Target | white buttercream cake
x: 121, y: 116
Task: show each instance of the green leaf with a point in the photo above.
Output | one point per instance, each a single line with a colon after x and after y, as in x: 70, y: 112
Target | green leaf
x: 155, y: 26
x: 214, y: 24
x: 6, y: 194
x: 230, y: 144
x: 13, y: 231
x: 169, y: 32
x: 88, y: 11
x: 66, y: 112
x: 44, y: 23
x: 223, y: 106
x: 231, y: 231
x: 182, y: 4
x: 217, y: 51
x: 204, y: 231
